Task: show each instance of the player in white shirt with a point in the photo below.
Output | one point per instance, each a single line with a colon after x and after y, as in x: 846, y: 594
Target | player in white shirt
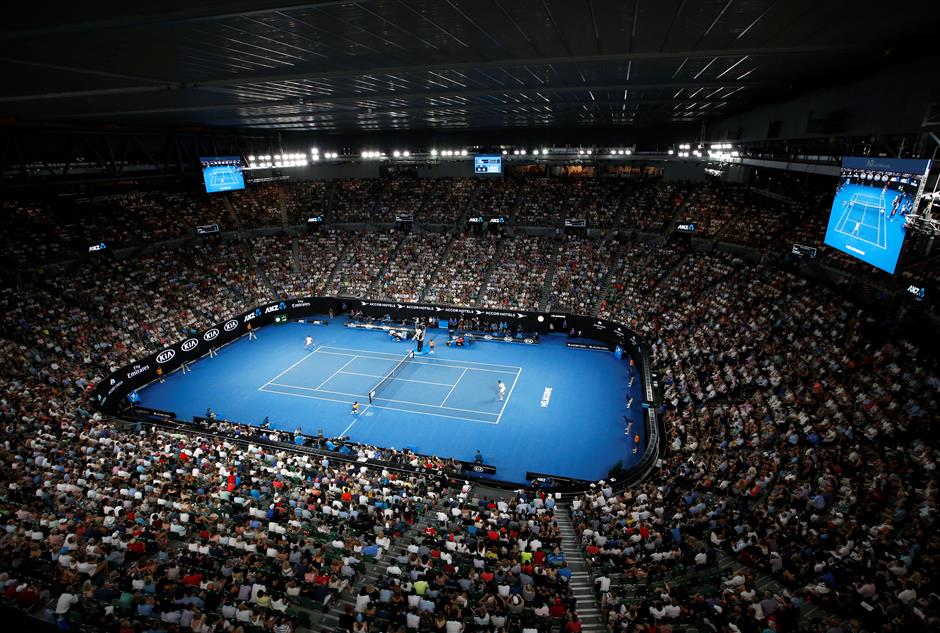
x: 308, y: 342
x: 501, y: 388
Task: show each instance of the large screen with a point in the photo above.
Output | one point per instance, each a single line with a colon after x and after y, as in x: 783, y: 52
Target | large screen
x: 870, y: 209
x: 222, y: 173
x: 488, y: 164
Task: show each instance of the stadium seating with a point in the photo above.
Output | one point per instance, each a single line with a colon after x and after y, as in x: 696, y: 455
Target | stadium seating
x: 798, y: 475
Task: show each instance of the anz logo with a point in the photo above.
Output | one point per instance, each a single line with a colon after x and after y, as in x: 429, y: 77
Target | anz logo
x: 211, y: 335
x: 166, y: 356
x: 250, y: 316
x: 271, y: 309
x: 230, y: 325
x: 189, y: 345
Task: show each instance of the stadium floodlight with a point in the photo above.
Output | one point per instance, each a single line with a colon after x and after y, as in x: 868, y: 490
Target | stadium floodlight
x: 315, y: 157
x: 544, y: 151
x: 670, y: 152
x: 406, y: 153
x: 522, y: 151
x: 505, y: 152
x: 433, y: 152
x: 628, y: 152
x: 396, y: 153
x: 620, y: 151
x: 251, y: 159
x: 535, y: 152
x: 588, y: 152
x: 580, y: 152
x: 463, y: 152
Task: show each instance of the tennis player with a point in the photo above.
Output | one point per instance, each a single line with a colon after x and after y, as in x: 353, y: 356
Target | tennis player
x: 308, y: 342
x: 501, y: 388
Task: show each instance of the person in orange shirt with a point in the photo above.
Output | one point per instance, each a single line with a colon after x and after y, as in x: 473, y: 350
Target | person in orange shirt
x: 636, y: 443
x: 355, y: 408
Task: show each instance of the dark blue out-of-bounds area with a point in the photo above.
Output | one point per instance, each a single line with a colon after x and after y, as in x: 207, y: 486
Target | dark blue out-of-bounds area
x: 562, y: 413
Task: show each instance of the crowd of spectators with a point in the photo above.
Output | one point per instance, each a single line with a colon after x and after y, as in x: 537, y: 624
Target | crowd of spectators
x: 62, y: 226
x: 306, y: 199
x: 495, y: 197
x: 542, y: 202
x: 400, y: 196
x: 459, y: 280
x: 354, y: 199
x: 259, y: 205
x: 595, y: 200
x: 797, y: 444
x: 639, y: 270
x: 362, y: 263
x: 518, y: 276
x: 580, y: 273
x: 647, y: 206
x: 483, y: 565
x: 446, y: 199
x: 416, y: 262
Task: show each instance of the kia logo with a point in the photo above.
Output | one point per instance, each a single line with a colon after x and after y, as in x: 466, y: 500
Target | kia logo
x: 211, y: 334
x: 231, y: 325
x: 166, y: 355
x: 189, y: 345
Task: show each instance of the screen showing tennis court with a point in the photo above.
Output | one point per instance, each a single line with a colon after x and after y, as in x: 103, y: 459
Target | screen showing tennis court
x: 873, y: 200
x: 222, y: 173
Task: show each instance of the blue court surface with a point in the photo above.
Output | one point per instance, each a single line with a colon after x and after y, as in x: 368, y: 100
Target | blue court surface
x: 868, y: 222
x: 562, y: 414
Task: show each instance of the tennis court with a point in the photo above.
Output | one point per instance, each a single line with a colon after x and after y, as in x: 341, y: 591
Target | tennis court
x: 564, y: 411
x: 863, y: 217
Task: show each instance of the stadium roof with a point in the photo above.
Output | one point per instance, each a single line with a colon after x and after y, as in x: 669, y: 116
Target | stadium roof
x: 351, y: 66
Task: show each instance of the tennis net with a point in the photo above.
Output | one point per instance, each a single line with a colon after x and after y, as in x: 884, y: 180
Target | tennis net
x: 390, y: 376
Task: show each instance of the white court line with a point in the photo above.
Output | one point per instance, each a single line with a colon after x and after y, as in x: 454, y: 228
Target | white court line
x: 434, y: 364
x: 333, y: 374
x: 423, y: 382
x: 508, y: 396
x: 355, y: 419
x: 290, y: 368
x: 468, y: 362
x: 454, y: 387
x: 375, y: 406
x: 357, y: 395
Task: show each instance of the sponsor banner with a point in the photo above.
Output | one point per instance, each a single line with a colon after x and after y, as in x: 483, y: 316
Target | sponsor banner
x: 154, y: 413
x: 594, y: 346
x: 544, y: 478
x: 480, y: 469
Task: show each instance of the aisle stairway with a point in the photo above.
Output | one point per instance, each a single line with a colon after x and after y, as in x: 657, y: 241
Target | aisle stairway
x: 550, y: 276
x: 393, y: 253
x: 436, y: 271
x: 606, y: 282
x: 582, y: 586
x: 490, y: 269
